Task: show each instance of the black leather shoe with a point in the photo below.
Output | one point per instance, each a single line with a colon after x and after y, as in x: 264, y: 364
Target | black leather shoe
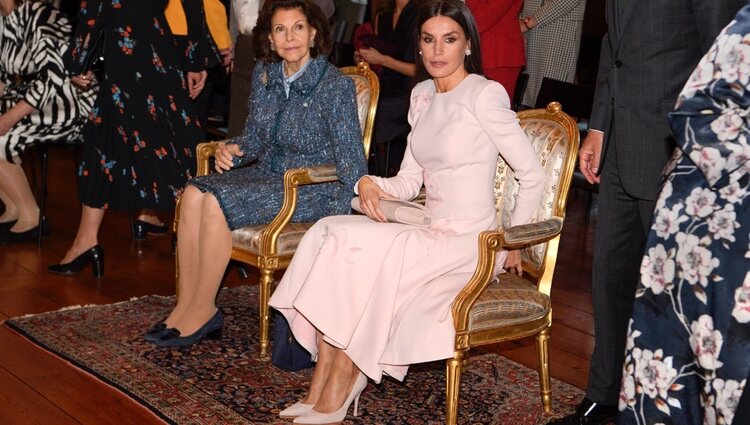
x: 589, y: 413
x: 211, y: 330
x: 141, y: 229
x: 7, y: 238
x: 95, y: 256
x: 6, y: 225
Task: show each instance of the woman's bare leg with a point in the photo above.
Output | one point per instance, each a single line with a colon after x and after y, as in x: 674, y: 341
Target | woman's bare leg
x: 339, y: 384
x: 326, y: 354
x: 88, y: 233
x: 20, y: 204
x: 205, y: 243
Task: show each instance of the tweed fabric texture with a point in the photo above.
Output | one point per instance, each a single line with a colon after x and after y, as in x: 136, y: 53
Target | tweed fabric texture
x: 552, y: 45
x: 317, y: 124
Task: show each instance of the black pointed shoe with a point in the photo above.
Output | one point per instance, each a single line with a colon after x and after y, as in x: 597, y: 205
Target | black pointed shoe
x: 31, y: 235
x: 589, y: 413
x: 6, y: 225
x: 94, y: 256
x: 141, y: 229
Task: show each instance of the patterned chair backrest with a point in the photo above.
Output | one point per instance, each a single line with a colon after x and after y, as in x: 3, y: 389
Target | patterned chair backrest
x: 554, y: 136
x: 367, y: 86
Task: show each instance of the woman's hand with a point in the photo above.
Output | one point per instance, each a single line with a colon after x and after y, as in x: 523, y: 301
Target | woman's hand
x: 372, y: 56
x: 370, y: 195
x: 513, y: 262
x: 83, y: 81
x: 224, y: 156
x: 196, y: 81
x: 227, y: 58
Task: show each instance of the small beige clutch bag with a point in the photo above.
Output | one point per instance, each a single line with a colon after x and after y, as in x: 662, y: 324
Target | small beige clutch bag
x: 397, y: 211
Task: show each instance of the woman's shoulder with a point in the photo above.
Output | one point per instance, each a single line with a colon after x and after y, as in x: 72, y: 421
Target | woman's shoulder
x: 482, y: 89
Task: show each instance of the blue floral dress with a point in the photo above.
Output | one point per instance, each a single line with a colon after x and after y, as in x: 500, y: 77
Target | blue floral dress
x: 688, y: 346
x: 142, y: 132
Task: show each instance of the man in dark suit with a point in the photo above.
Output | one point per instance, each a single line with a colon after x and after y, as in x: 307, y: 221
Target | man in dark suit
x: 646, y: 57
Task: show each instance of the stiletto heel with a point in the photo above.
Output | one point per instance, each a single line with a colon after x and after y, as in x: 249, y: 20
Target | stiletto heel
x: 95, y: 256
x: 314, y: 417
x: 171, y: 336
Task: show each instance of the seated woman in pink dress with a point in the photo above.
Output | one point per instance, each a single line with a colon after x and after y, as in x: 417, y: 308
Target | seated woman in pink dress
x: 367, y: 297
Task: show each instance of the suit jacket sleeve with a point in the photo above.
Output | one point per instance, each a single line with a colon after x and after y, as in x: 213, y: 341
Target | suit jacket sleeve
x: 602, y: 106
x: 552, y: 10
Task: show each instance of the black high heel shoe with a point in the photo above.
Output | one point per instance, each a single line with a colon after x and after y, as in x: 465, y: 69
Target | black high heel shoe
x: 9, y: 237
x: 142, y: 228
x: 95, y: 256
x: 211, y: 330
x: 6, y: 225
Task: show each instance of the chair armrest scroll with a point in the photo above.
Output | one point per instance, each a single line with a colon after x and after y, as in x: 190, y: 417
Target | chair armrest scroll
x: 204, y: 152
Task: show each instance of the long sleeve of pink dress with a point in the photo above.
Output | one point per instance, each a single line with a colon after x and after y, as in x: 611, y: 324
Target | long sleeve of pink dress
x: 382, y: 291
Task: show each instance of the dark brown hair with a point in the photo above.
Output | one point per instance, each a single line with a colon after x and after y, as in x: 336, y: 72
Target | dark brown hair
x: 459, y: 12
x: 314, y: 15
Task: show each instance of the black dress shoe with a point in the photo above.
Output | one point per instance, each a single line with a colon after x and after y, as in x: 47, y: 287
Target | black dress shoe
x: 142, y: 228
x: 6, y: 225
x: 589, y: 413
x: 9, y: 237
x: 95, y: 256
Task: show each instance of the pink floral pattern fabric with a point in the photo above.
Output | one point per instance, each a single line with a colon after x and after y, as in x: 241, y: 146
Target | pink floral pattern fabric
x: 688, y: 346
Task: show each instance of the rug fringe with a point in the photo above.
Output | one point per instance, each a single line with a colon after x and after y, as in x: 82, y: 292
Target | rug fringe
x: 80, y: 306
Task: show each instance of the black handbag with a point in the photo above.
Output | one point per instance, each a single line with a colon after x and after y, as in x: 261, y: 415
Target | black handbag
x: 286, y: 352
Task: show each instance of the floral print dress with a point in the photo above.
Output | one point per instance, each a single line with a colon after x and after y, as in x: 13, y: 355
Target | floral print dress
x: 688, y: 346
x: 142, y: 132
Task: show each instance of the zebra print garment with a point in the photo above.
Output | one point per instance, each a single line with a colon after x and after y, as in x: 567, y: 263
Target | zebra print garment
x: 33, y: 39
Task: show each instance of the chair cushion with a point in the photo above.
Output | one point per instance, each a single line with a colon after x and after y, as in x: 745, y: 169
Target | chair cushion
x: 248, y: 238
x: 508, y: 300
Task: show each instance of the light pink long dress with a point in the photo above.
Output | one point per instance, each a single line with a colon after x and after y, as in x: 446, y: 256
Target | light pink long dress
x: 382, y: 291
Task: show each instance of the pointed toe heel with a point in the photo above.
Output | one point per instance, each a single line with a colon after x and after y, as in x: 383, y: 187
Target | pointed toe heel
x: 314, y: 417
x: 297, y: 409
x: 94, y: 256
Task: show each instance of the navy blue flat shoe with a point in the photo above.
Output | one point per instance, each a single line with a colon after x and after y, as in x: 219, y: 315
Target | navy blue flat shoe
x: 8, y: 237
x: 211, y: 330
x: 155, y: 332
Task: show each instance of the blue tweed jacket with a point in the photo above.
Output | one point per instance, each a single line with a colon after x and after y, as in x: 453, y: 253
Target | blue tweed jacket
x: 316, y: 124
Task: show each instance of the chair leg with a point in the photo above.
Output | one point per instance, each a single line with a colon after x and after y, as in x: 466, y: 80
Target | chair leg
x: 543, y: 357
x: 43, y: 190
x: 265, y: 282
x: 453, y: 370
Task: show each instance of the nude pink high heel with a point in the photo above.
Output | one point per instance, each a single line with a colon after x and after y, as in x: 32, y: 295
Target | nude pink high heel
x: 297, y: 409
x: 313, y: 417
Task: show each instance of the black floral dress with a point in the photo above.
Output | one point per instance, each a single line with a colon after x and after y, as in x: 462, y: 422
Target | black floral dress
x: 141, y: 134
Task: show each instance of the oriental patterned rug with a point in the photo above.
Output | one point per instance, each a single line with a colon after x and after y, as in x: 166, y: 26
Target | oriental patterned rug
x: 224, y: 382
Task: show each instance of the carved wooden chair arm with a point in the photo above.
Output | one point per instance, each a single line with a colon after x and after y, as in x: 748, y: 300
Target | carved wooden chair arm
x: 204, y: 152
x: 490, y: 242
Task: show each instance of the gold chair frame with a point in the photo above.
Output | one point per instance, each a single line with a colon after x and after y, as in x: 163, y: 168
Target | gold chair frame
x: 522, y: 236
x: 268, y: 259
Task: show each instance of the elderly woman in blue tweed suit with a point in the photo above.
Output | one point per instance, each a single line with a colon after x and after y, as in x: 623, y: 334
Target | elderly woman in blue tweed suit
x: 302, y: 112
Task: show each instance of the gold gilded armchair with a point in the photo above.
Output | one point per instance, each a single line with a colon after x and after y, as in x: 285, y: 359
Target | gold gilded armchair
x: 270, y: 247
x: 494, y: 308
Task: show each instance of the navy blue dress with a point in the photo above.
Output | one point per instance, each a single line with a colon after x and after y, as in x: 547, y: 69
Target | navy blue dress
x: 317, y: 124
x: 142, y: 132
x: 688, y: 346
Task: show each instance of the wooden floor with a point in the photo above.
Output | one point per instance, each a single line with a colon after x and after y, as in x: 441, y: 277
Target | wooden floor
x: 37, y: 388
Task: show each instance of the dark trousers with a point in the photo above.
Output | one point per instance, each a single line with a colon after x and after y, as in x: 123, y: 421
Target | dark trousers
x: 623, y: 223
x: 242, y: 73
